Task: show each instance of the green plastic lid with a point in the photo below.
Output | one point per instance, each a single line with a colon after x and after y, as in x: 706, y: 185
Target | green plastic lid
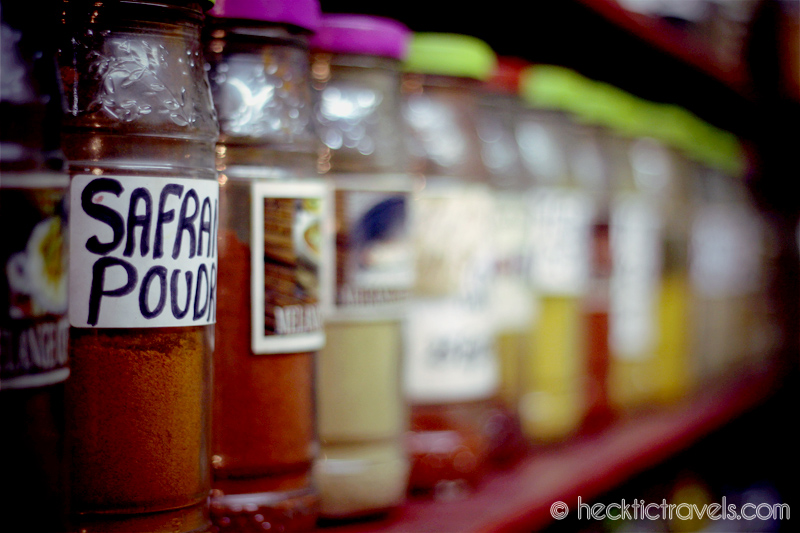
x: 551, y: 86
x: 609, y: 106
x: 587, y: 100
x: 449, y: 54
x: 698, y: 139
x: 599, y: 103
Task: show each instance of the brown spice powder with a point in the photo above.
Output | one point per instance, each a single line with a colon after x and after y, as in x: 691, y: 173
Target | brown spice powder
x: 137, y: 418
x: 263, y: 404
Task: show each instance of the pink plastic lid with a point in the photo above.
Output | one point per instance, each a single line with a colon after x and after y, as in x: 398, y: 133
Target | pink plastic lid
x: 304, y: 14
x: 362, y: 34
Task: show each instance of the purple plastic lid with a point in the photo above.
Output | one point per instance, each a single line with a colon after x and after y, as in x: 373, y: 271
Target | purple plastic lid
x: 361, y: 34
x: 301, y: 13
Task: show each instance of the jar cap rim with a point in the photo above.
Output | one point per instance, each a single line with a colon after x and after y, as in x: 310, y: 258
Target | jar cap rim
x: 451, y: 54
x: 361, y: 34
x: 304, y: 14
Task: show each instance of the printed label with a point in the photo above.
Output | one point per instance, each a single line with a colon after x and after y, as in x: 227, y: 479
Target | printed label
x: 636, y: 248
x: 33, y: 295
x: 143, y: 251
x: 289, y: 225
x: 450, y: 331
x: 374, y: 260
x: 561, y: 239
x: 726, y: 252
x: 511, y: 294
x: 452, y: 233
x: 451, y: 353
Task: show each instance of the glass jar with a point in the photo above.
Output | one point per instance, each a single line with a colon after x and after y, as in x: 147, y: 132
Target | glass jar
x: 637, y: 251
x: 593, y: 174
x: 726, y: 258
x: 637, y: 194
x: 451, y: 376
x: 271, y: 213
x: 512, y: 299
x: 363, y: 467
x: 565, y: 368
x: 139, y: 134
x: 33, y: 273
x: 661, y: 177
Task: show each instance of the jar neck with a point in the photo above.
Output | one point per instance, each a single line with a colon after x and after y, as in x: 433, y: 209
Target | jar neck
x: 415, y: 81
x: 325, y: 66
x: 134, y: 88
x: 224, y: 32
x: 121, y: 13
x: 358, y: 112
x: 259, y: 77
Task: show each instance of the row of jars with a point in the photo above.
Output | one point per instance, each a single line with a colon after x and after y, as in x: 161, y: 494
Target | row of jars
x: 317, y: 262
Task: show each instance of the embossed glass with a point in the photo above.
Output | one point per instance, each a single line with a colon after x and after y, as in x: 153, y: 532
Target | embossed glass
x: 139, y: 135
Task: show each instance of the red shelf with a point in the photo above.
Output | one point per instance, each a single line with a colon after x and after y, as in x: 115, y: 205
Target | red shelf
x: 519, y: 499
x: 690, y: 50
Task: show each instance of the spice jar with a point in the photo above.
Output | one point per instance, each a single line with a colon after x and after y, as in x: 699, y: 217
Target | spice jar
x: 593, y: 174
x: 363, y: 467
x: 662, y: 179
x: 654, y: 160
x: 637, y: 254
x: 33, y: 273
x: 271, y: 220
x: 512, y: 299
x: 568, y: 340
x: 725, y: 271
x: 635, y: 235
x: 451, y: 375
x: 139, y: 134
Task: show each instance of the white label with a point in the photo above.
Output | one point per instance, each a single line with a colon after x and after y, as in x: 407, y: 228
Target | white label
x: 726, y: 252
x: 143, y: 251
x: 511, y: 293
x: 452, y: 232
x: 374, y: 255
x: 450, y: 354
x: 561, y: 239
x: 288, y: 232
x: 636, y: 248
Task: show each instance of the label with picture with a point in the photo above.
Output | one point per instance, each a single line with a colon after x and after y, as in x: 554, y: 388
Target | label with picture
x: 374, y: 260
x: 289, y: 224
x: 34, y: 328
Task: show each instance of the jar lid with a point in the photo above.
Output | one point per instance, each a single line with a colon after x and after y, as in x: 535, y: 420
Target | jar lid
x: 553, y: 87
x: 361, y: 34
x: 507, y: 75
x: 304, y: 14
x: 450, y: 54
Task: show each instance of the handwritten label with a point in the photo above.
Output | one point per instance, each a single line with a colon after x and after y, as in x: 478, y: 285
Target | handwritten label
x: 512, y: 299
x: 143, y: 251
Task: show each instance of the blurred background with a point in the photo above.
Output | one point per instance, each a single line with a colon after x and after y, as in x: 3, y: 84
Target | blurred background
x: 736, y: 65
